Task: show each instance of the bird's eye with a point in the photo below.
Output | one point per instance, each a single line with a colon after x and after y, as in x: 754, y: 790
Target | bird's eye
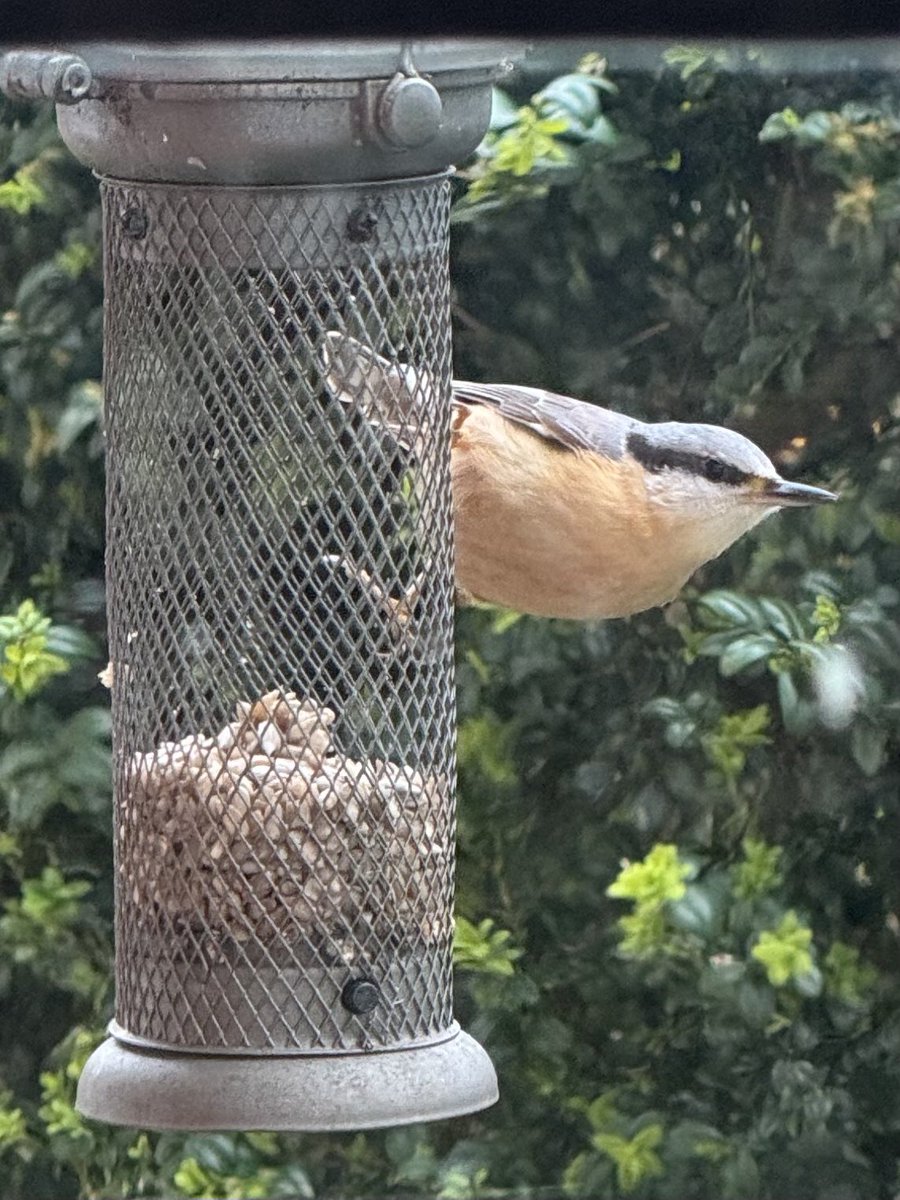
x: 714, y: 469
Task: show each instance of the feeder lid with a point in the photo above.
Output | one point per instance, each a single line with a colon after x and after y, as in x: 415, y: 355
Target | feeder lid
x: 285, y: 61
x: 267, y: 113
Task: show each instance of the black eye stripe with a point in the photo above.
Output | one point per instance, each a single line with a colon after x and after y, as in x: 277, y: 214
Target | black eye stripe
x: 662, y: 458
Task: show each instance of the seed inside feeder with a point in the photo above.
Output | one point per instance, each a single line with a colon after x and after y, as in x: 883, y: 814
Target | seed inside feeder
x: 262, y: 833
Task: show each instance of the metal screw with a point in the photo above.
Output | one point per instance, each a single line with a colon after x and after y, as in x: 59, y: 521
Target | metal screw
x: 45, y: 75
x: 360, y: 996
x: 361, y: 225
x: 409, y: 111
x: 134, y: 223
x: 74, y: 84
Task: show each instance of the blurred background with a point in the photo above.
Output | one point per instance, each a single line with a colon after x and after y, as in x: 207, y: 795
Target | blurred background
x: 678, y: 890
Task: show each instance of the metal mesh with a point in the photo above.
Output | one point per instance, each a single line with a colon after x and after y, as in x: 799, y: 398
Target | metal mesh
x: 280, y: 595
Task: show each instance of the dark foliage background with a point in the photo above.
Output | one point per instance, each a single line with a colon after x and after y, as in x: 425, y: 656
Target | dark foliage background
x: 678, y: 834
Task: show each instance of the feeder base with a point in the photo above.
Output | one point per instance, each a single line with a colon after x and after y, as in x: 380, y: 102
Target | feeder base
x: 156, y: 1089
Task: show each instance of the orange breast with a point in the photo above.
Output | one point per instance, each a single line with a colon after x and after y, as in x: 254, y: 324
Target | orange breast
x: 548, y: 531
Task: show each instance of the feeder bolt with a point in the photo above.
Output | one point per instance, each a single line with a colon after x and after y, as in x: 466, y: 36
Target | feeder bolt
x: 41, y: 75
x: 409, y: 111
x: 360, y: 996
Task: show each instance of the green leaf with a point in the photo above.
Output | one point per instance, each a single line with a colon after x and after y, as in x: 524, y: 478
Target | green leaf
x: 756, y: 1003
x: 504, y: 111
x: 483, y: 948
x: 574, y: 97
x: 644, y: 932
x: 760, y: 871
x: 694, y: 912
x: 724, y: 609
x: 790, y: 704
x: 192, y: 1180
x: 505, y: 619
x: 666, y: 708
x: 691, y: 59
x: 782, y: 617
x: 601, y: 1112
x: 76, y: 258
x: 785, y: 951
x: 656, y: 879
x: 70, y: 642
x: 635, y: 1158
x: 809, y: 983
x: 868, y: 745
x: 746, y: 650
x: 84, y: 406
x: 847, y: 977
x: 602, y: 132
x: 22, y: 193
x: 735, y: 734
x: 484, y: 744
x: 779, y: 126
x: 740, y: 1176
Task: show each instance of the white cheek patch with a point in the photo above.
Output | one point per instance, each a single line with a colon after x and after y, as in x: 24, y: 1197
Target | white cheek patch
x: 704, y: 518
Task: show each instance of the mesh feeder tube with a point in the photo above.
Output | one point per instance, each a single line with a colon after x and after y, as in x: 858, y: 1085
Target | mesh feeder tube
x: 279, y: 571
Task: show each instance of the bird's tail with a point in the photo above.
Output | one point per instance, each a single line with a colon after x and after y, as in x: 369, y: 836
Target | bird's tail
x: 392, y: 396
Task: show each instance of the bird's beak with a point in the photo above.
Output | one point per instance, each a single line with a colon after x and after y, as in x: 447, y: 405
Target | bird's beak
x: 784, y: 493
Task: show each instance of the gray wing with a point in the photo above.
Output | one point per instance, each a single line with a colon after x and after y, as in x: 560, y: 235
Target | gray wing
x: 388, y: 394
x: 573, y: 424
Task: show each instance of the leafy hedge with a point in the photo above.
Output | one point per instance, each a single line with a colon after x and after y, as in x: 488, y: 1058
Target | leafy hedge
x: 679, y: 885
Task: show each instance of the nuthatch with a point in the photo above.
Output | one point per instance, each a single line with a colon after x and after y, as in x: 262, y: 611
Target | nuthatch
x: 564, y: 509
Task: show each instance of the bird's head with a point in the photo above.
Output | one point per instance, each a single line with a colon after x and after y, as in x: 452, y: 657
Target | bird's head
x: 713, y: 479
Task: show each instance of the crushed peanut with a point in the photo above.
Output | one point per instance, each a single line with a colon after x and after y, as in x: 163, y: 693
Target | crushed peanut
x: 263, y: 833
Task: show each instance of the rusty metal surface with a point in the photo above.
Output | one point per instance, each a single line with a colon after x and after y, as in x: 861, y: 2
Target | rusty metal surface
x: 280, y: 593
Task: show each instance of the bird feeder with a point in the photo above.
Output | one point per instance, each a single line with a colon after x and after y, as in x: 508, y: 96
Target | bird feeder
x: 280, y: 582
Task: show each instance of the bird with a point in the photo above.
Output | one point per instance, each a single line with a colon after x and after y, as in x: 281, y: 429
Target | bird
x: 562, y: 508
